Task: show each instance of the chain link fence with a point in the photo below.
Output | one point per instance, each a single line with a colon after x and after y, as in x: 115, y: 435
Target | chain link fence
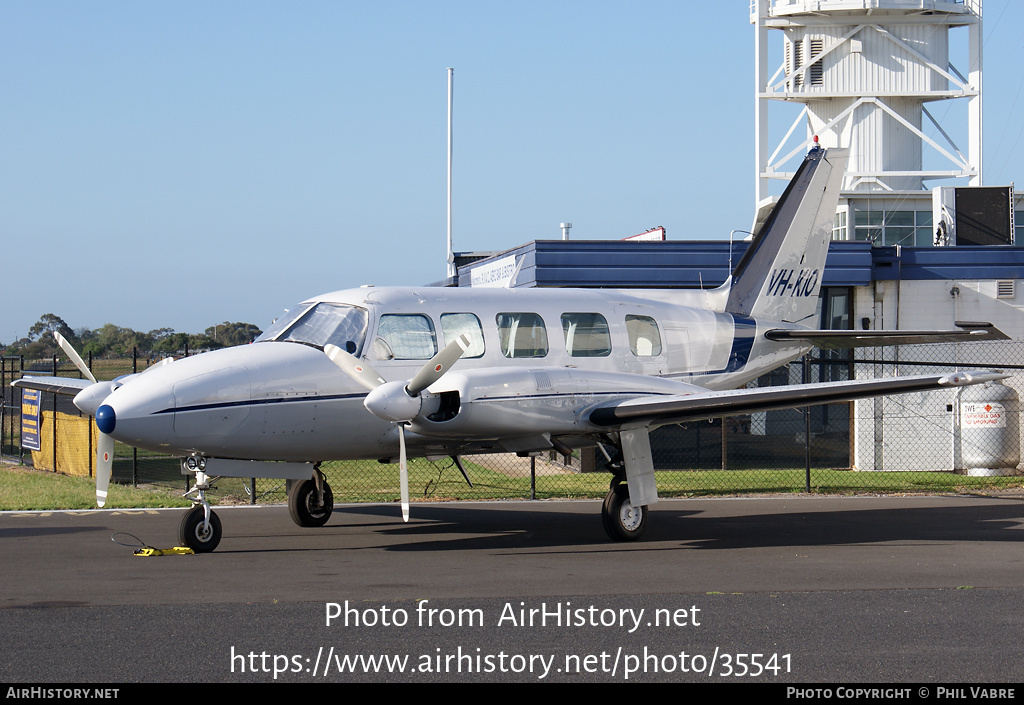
x: 913, y: 442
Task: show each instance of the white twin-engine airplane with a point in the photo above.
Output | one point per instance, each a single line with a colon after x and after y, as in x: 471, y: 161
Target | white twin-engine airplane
x: 384, y: 373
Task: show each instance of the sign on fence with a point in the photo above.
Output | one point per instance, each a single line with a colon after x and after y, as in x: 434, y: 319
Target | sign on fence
x: 30, y: 419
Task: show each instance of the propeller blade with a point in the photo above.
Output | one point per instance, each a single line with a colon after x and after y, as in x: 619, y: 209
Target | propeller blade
x: 404, y: 472
x: 75, y: 357
x: 104, y: 464
x: 353, y: 367
x: 438, y: 365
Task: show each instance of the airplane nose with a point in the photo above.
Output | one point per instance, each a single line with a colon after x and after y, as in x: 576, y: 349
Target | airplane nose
x: 138, y: 413
x: 106, y: 419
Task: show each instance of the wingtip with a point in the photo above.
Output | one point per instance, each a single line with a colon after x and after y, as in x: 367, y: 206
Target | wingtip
x: 963, y: 379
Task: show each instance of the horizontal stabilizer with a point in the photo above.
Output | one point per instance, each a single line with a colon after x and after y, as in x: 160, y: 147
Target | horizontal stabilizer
x: 708, y: 405
x: 843, y: 339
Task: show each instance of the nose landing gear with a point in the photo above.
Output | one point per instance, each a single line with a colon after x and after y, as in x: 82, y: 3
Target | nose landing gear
x: 198, y: 532
x: 200, y: 527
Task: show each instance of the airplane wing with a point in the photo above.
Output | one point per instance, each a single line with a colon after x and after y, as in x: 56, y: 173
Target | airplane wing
x: 659, y: 410
x: 58, y: 385
x: 970, y: 331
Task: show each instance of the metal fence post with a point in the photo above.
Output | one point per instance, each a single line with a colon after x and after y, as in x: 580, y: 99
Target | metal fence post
x: 135, y: 451
x: 21, y: 449
x: 53, y: 437
x: 725, y: 447
x: 3, y: 404
x: 807, y: 428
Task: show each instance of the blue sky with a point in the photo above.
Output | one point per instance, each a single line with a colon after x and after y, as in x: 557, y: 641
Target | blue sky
x: 181, y: 164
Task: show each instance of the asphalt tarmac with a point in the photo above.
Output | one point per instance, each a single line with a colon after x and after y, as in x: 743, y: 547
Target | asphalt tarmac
x: 794, y: 589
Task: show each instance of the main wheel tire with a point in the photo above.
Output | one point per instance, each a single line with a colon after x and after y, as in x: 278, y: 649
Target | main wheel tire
x: 622, y: 521
x: 303, y: 507
x: 193, y: 532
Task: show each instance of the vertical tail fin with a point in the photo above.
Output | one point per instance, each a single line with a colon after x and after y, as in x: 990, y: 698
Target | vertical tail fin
x: 780, y: 274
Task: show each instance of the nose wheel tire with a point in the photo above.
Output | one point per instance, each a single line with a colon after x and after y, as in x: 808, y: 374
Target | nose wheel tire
x: 622, y: 521
x: 303, y: 506
x: 196, y: 533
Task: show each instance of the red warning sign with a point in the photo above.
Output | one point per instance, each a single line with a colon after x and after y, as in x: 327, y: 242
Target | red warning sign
x: 982, y: 414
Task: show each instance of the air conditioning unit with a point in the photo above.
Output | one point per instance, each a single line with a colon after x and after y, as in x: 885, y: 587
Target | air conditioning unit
x: 973, y: 215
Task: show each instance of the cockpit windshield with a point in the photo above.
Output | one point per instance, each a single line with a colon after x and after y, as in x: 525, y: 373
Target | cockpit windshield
x: 283, y: 322
x: 319, y: 324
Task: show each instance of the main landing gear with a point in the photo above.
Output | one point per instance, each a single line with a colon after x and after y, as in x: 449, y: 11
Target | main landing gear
x: 622, y: 521
x: 310, y: 502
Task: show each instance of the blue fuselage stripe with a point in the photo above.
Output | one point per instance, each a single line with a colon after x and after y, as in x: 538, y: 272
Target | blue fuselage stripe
x: 258, y: 402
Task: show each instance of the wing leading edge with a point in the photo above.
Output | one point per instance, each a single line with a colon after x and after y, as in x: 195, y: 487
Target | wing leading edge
x: 659, y: 410
x: 68, y: 386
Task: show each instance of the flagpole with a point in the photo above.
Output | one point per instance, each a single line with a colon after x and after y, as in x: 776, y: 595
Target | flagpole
x: 450, y: 254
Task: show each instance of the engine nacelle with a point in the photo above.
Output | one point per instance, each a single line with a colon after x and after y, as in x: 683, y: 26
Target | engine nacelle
x: 496, y: 403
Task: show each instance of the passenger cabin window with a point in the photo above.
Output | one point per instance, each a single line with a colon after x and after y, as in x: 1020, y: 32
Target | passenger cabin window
x: 586, y: 335
x: 455, y: 324
x: 522, y: 335
x: 405, y: 337
x: 644, y: 337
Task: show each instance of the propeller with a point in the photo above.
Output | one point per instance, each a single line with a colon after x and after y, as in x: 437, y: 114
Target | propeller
x: 90, y: 400
x: 398, y: 401
x: 75, y: 357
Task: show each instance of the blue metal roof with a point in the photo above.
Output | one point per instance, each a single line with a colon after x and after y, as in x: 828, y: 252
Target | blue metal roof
x: 969, y: 262
x: 690, y: 264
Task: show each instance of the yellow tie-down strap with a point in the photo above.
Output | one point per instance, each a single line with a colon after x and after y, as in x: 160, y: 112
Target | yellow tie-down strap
x: 176, y: 551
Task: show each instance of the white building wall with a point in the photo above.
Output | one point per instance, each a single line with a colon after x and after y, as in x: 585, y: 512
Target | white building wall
x: 918, y: 431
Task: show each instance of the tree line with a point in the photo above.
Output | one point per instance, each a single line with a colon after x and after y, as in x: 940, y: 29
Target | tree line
x: 115, y: 341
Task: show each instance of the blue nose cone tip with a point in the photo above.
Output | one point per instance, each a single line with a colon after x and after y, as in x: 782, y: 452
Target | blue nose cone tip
x: 105, y: 419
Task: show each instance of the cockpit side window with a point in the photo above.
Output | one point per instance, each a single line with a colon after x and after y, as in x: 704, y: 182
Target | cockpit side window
x: 405, y: 337
x: 455, y: 324
x: 644, y: 336
x: 338, y: 324
x: 522, y: 335
x: 586, y: 335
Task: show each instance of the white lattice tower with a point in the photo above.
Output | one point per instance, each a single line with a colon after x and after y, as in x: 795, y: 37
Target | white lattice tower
x: 866, y: 73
